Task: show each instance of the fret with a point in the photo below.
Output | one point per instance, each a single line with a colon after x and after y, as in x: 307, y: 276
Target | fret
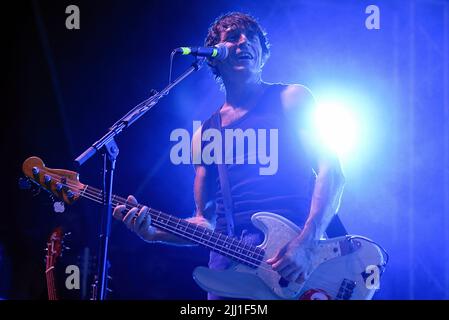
x: 216, y: 241
x: 196, y: 228
x: 226, y: 242
x: 177, y: 223
x: 49, y: 269
x: 206, y: 238
x: 183, y: 225
x: 190, y: 230
x: 219, y: 237
x: 156, y: 218
x: 84, y: 190
x: 168, y: 222
x: 232, y: 245
x: 240, y: 247
x: 201, y: 236
x: 52, y: 295
x: 119, y: 200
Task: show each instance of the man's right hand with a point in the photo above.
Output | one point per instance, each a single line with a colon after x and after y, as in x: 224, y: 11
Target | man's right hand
x: 138, y: 221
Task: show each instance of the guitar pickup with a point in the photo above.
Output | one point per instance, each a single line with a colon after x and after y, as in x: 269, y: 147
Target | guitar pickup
x: 346, y: 289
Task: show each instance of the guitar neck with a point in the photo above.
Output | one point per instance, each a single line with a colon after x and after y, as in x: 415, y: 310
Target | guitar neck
x: 223, y: 244
x: 51, y: 287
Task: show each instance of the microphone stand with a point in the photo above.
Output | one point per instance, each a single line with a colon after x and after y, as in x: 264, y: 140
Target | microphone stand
x: 109, y: 149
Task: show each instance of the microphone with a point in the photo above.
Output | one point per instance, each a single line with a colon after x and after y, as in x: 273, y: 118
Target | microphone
x: 218, y: 52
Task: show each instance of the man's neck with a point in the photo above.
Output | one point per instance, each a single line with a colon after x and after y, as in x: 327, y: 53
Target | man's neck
x: 240, y: 95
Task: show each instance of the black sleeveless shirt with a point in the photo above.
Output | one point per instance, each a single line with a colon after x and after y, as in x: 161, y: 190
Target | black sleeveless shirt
x: 288, y: 191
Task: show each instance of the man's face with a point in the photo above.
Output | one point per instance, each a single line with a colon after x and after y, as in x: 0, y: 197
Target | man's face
x: 245, y: 54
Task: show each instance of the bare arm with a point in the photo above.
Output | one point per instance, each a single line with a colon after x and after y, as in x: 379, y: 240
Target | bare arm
x: 329, y: 182
x: 293, y: 262
x: 326, y: 198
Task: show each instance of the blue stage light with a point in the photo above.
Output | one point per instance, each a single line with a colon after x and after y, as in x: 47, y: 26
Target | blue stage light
x: 337, y: 126
x: 346, y: 122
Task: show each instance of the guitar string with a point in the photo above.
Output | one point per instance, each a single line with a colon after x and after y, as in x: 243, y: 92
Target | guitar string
x: 50, y: 285
x: 47, y: 278
x: 95, y: 198
x: 50, y: 279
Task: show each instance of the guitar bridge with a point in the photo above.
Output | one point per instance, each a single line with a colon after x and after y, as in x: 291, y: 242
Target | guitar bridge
x: 349, y: 245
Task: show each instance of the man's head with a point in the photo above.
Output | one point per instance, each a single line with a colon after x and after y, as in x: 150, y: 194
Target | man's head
x: 246, y: 40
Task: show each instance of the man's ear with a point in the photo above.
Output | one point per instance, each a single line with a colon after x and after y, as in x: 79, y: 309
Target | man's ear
x: 264, y: 60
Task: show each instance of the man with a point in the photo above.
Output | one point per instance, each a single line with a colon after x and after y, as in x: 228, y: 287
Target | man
x: 251, y: 103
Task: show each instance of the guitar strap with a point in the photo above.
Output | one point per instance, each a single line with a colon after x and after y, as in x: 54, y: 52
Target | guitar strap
x: 224, y: 181
x: 334, y: 229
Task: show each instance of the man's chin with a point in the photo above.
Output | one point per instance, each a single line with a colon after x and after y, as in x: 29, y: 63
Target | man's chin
x: 241, y: 69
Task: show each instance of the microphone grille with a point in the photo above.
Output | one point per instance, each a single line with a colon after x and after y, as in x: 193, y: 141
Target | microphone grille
x: 222, y: 51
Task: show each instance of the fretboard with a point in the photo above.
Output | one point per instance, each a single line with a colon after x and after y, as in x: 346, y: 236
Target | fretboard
x: 51, y: 288
x: 228, y: 246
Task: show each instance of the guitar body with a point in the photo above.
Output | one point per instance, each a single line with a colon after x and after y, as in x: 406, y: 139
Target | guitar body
x: 339, y: 268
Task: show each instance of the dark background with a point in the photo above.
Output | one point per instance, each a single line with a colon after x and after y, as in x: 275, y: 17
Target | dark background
x: 64, y: 88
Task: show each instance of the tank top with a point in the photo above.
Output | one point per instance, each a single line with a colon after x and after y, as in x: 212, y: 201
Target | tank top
x: 288, y: 191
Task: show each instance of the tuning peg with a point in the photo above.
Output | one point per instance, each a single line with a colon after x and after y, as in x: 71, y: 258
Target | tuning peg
x: 58, y: 187
x: 70, y: 194
x: 67, y: 234
x: 64, y: 183
x: 66, y: 248
x: 47, y: 179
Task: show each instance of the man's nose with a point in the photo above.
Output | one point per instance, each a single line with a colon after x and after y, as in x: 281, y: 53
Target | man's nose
x: 242, y: 39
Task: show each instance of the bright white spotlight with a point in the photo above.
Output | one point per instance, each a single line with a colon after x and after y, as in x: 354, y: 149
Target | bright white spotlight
x: 337, y: 126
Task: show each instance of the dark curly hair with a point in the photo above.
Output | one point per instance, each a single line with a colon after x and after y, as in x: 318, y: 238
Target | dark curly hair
x: 236, y: 20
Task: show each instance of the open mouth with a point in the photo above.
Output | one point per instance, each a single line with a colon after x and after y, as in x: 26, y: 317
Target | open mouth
x: 245, y: 56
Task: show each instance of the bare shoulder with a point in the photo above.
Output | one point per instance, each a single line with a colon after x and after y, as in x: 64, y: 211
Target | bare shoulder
x: 296, y: 96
